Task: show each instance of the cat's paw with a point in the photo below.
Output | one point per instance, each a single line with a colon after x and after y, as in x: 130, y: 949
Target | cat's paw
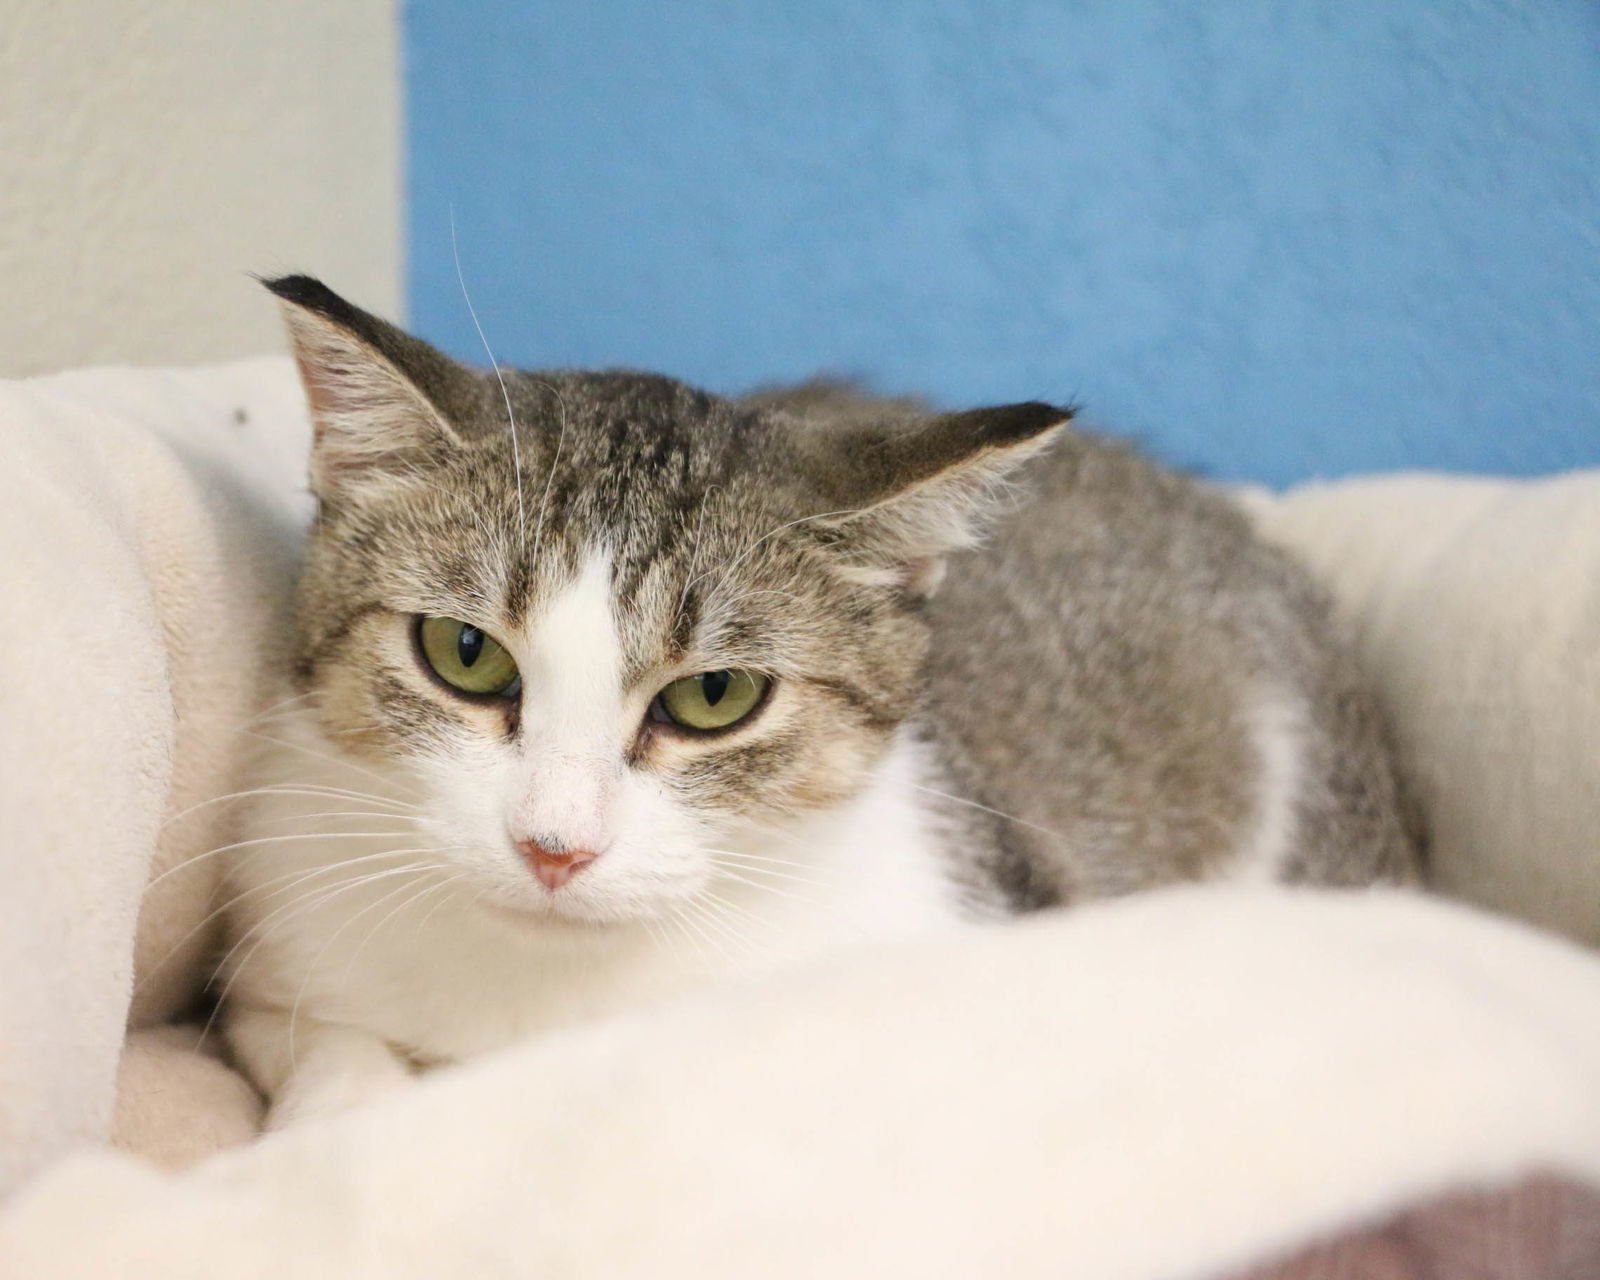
x: 310, y: 1068
x: 333, y: 1088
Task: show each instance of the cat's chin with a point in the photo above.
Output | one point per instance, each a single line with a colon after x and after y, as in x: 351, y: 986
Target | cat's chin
x: 557, y: 912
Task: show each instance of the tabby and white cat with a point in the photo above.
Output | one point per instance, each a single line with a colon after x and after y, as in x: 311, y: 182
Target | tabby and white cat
x: 603, y: 687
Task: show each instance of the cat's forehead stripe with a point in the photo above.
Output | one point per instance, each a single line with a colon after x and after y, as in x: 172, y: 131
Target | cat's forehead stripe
x: 575, y: 625
x: 573, y: 666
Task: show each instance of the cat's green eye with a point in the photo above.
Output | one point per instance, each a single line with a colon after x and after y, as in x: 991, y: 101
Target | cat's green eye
x: 465, y: 657
x: 711, y: 700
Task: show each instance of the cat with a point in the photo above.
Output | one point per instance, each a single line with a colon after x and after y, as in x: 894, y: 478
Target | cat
x: 602, y: 688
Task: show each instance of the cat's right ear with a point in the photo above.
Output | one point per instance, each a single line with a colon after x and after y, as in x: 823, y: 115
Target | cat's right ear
x: 905, y: 495
x: 379, y: 397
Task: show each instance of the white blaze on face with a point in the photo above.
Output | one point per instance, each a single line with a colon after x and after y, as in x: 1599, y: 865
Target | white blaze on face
x: 565, y: 790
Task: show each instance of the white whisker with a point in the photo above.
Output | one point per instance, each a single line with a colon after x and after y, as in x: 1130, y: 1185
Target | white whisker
x: 694, y: 560
x: 776, y: 890
x: 756, y: 869
x: 323, y: 755
x: 550, y: 476
x: 758, y: 857
x: 676, y: 917
x: 296, y: 878
x: 999, y: 813
x: 283, y: 707
x: 452, y: 880
x: 308, y: 789
x: 307, y: 903
x: 311, y: 969
x: 710, y: 909
x: 748, y: 551
x: 258, y: 840
x: 744, y: 912
x: 421, y: 895
x: 658, y: 931
x: 763, y: 591
x: 344, y: 813
x: 516, y: 446
x: 691, y: 918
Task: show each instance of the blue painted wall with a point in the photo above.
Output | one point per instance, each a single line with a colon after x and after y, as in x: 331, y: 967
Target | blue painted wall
x: 1272, y: 239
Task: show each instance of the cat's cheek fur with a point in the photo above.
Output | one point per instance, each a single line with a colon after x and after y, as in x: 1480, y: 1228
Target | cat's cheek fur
x: 800, y: 754
x: 381, y: 706
x: 428, y: 965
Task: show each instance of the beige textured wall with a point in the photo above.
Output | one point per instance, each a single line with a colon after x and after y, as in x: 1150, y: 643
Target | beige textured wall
x: 155, y: 152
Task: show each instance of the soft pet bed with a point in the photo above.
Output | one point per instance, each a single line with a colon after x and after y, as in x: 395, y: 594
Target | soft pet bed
x: 1195, y: 1084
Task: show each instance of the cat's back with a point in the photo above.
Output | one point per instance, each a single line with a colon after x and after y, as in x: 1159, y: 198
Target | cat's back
x: 1151, y: 694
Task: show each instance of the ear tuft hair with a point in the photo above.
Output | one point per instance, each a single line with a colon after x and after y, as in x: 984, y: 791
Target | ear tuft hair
x: 376, y: 394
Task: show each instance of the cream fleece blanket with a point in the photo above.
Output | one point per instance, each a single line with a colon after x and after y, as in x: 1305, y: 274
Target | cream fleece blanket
x: 1175, y: 1086
x: 1476, y: 608
x: 147, y: 523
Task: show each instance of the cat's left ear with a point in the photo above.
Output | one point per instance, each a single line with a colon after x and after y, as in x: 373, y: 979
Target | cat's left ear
x: 908, y: 495
x: 379, y: 397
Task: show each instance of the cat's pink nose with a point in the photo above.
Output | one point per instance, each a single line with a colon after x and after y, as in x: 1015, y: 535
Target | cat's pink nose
x: 553, y: 864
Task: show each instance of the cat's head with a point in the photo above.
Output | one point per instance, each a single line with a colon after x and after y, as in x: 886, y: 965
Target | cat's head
x: 642, y: 624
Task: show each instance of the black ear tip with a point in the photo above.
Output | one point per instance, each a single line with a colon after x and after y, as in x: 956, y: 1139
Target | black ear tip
x: 301, y: 289
x: 1039, y: 416
x: 312, y: 294
x: 1014, y: 423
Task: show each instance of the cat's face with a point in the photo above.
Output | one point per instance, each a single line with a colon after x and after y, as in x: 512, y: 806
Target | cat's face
x: 617, y: 643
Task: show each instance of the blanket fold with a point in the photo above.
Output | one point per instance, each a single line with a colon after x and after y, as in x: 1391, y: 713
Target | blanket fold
x: 1176, y: 1085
